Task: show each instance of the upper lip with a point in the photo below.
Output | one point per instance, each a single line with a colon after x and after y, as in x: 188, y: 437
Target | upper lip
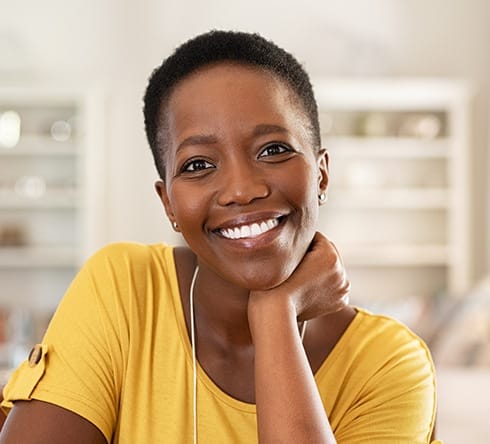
x: 247, y: 219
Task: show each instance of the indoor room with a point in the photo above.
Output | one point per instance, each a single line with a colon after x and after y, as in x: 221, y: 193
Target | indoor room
x: 402, y: 89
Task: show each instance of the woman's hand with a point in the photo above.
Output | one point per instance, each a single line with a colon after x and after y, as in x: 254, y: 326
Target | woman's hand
x: 317, y: 287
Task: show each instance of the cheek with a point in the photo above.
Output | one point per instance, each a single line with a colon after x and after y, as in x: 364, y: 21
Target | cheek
x: 305, y: 190
x: 187, y: 206
x: 310, y: 211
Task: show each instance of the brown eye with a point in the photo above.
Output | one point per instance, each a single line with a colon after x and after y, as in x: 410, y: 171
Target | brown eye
x: 274, y: 149
x: 196, y: 165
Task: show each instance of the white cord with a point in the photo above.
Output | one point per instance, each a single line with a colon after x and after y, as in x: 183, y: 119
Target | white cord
x: 194, y: 360
x: 303, y: 331
x: 193, y: 346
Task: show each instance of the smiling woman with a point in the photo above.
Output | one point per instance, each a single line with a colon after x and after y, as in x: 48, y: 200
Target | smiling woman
x: 246, y: 335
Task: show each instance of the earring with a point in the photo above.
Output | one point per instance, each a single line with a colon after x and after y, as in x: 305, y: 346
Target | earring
x: 322, y: 197
x: 175, y: 225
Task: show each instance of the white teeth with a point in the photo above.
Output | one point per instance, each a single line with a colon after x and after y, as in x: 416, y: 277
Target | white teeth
x: 255, y: 230
x: 249, y: 231
x: 271, y: 223
x: 245, y: 231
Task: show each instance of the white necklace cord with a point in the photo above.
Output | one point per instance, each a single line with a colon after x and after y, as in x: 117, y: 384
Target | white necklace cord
x: 193, y: 346
x: 303, y: 331
x: 194, y: 360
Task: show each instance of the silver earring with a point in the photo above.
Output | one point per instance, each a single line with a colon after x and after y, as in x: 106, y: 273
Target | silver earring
x: 322, y: 197
x: 175, y: 225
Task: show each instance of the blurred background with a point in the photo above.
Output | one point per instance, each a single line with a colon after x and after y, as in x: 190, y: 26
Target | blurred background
x: 403, y: 90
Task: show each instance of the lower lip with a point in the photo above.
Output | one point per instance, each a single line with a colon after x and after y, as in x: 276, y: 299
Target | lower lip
x: 256, y: 242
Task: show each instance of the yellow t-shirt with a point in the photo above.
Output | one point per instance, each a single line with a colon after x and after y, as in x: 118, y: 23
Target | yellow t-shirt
x: 118, y: 354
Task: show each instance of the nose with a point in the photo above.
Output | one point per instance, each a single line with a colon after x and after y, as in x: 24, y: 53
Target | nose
x: 241, y: 184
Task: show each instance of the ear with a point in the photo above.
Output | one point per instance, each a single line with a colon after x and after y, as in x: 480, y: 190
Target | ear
x: 322, y: 162
x: 161, y: 189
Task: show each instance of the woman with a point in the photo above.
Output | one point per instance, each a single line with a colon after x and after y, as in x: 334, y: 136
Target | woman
x: 210, y: 343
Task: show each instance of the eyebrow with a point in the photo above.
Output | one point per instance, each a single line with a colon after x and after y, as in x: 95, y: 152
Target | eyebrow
x: 197, y: 139
x: 205, y: 139
x: 261, y: 130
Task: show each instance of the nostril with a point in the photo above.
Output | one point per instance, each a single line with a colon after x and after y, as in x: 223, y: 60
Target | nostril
x: 243, y: 192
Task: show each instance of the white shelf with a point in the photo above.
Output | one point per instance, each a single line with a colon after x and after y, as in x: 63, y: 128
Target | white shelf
x: 53, y: 199
x: 38, y: 257
x: 391, y: 147
x: 396, y: 94
x: 42, y: 146
x: 395, y: 255
x: 55, y: 231
x: 396, y: 198
x: 372, y: 199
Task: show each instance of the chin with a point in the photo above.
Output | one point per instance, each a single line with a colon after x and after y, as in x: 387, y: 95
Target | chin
x: 263, y: 277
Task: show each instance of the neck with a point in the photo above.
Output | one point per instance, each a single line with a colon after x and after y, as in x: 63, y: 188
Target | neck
x: 220, y: 309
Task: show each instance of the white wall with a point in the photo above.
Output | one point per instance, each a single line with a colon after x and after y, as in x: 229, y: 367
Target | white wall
x: 115, y: 44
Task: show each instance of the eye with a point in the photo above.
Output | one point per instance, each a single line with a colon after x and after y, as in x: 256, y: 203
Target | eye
x: 195, y: 165
x: 274, y: 149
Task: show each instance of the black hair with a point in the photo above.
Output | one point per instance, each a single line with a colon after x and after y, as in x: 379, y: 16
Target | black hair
x: 220, y: 46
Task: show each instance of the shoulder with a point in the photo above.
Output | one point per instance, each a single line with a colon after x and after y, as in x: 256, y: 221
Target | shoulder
x: 122, y: 273
x: 378, y: 329
x: 126, y: 257
x: 388, y: 387
x: 133, y: 251
x: 388, y: 347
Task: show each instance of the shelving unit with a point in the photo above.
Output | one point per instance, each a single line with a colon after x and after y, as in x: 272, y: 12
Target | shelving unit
x: 50, y: 196
x: 398, y: 205
x: 60, y: 257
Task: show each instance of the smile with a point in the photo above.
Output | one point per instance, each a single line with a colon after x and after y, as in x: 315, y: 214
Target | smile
x: 249, y: 231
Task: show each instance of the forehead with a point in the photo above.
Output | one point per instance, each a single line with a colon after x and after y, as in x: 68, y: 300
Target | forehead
x: 231, y: 93
x: 219, y: 71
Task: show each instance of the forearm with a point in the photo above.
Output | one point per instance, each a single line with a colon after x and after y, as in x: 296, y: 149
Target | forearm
x: 289, y: 407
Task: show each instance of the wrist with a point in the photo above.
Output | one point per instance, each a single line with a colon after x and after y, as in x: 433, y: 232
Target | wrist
x: 267, y: 311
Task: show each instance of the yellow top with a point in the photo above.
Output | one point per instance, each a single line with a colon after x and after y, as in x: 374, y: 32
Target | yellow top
x: 118, y: 354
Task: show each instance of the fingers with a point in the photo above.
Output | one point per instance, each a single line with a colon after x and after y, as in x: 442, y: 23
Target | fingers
x: 341, y: 286
x: 323, y: 277
x: 321, y: 244
x: 322, y: 250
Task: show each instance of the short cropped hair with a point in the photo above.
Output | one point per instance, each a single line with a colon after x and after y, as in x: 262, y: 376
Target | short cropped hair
x: 222, y: 46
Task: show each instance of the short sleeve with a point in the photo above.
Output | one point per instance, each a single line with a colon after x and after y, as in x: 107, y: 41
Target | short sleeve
x: 26, y: 377
x: 80, y: 362
x: 397, y: 403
